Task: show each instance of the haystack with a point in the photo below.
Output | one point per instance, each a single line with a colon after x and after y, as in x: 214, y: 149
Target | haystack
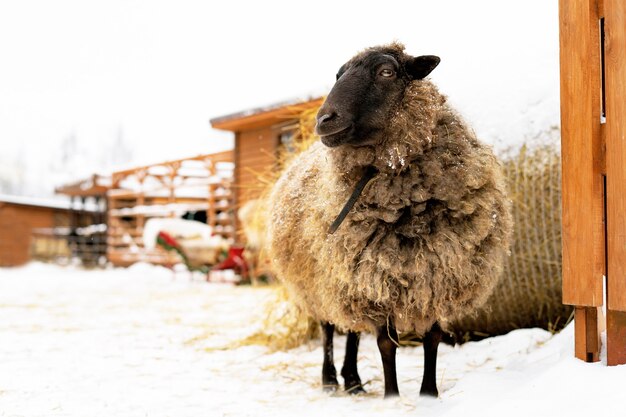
x: 284, y: 326
x: 529, y: 292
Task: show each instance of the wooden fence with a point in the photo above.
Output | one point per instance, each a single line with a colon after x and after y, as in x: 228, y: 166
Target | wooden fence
x: 593, y: 123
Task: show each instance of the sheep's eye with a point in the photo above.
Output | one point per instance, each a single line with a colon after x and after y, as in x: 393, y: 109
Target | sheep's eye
x: 386, y: 73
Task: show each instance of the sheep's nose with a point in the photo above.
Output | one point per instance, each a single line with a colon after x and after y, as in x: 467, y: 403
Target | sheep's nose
x: 326, y: 117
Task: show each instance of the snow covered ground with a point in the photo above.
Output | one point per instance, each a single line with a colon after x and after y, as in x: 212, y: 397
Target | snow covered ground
x: 143, y: 342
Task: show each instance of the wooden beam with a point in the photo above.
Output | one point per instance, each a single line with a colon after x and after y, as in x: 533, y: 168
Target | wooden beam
x: 587, y: 325
x: 226, y: 156
x: 615, y: 337
x: 615, y: 69
x: 581, y: 150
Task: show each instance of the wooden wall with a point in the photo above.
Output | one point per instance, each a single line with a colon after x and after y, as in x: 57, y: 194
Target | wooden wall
x: 16, y: 224
x: 255, y: 157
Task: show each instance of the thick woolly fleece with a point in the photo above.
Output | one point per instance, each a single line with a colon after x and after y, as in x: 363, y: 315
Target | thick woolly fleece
x: 425, y: 241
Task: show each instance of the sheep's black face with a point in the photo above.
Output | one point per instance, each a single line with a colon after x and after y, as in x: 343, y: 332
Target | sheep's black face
x: 368, y: 89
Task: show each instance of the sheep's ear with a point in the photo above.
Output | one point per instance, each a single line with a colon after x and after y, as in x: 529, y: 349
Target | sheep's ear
x: 420, y: 66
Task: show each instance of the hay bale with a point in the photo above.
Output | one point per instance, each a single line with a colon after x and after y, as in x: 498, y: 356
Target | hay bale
x: 529, y: 293
x: 285, y: 326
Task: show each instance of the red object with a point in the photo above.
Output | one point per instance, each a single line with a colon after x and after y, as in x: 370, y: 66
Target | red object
x: 235, y: 261
x: 168, y: 239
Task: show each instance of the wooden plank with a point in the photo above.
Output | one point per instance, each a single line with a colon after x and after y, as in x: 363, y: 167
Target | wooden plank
x: 255, y: 149
x: 226, y: 156
x: 587, y: 333
x: 580, y: 139
x: 615, y: 337
x: 615, y: 64
x: 258, y: 165
x: 259, y: 139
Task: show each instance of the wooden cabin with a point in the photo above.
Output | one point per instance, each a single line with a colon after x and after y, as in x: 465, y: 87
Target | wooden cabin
x: 20, y: 217
x: 258, y: 135
x: 194, y: 188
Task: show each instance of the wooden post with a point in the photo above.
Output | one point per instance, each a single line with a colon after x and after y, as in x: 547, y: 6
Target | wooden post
x: 212, y: 209
x: 587, y: 333
x: 141, y: 200
x: 593, y: 120
x: 582, y: 179
x: 615, y: 74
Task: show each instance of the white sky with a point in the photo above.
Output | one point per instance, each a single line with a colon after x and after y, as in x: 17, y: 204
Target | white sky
x: 161, y: 69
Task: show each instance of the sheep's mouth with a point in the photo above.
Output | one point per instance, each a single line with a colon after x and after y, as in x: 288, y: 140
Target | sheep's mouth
x: 336, y: 137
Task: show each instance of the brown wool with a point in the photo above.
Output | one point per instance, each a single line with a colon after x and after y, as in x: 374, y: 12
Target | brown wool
x: 425, y: 241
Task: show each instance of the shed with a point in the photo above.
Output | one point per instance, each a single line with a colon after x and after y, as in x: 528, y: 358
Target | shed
x: 19, y: 217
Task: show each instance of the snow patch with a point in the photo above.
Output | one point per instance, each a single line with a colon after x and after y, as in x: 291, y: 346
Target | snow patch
x: 145, y: 341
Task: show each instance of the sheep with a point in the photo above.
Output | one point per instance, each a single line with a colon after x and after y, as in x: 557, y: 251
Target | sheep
x: 427, y: 224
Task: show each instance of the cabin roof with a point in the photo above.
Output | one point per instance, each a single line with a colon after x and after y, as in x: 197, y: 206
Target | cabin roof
x: 96, y: 185
x: 42, y: 202
x: 266, y: 115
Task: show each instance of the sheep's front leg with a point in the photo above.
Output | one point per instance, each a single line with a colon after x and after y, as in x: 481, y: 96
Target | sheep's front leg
x: 431, y: 342
x: 387, y: 339
x: 349, y: 372
x: 329, y: 373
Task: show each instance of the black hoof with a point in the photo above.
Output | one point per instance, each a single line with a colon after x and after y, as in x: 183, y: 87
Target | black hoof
x: 330, y: 384
x: 352, y: 381
x: 355, y: 388
x: 329, y: 378
x: 429, y: 392
x: 330, y: 387
x: 392, y: 394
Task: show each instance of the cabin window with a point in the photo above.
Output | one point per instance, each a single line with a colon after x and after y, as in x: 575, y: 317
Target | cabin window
x: 286, y: 140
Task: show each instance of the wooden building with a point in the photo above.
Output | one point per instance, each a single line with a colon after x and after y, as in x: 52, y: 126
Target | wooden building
x: 258, y: 135
x: 20, y: 217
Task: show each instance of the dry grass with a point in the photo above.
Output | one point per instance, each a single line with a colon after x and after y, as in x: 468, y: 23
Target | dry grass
x: 284, y: 327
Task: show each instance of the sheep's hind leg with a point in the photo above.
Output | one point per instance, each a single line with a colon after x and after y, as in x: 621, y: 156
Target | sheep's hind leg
x: 387, y: 339
x: 431, y: 342
x: 349, y: 372
x: 329, y: 373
